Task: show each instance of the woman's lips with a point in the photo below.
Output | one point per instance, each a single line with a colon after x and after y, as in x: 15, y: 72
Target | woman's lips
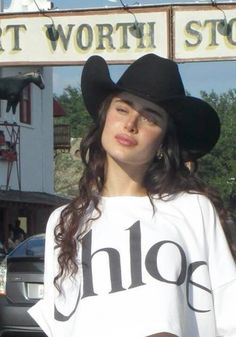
x: 125, y: 140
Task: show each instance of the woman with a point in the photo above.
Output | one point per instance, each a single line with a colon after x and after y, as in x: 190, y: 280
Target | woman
x: 140, y: 252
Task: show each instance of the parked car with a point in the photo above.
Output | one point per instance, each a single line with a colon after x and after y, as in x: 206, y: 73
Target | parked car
x: 21, y: 286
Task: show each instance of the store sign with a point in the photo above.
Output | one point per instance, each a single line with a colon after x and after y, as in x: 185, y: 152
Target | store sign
x: 205, y: 33
x: 184, y: 33
x: 70, y: 38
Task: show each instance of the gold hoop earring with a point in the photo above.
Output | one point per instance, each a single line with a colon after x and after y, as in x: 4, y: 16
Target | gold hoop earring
x: 160, y: 154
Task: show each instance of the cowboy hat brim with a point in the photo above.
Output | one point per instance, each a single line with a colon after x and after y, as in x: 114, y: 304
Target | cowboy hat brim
x: 197, y: 123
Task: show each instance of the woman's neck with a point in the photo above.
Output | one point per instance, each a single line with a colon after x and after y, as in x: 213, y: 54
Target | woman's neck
x: 123, y: 180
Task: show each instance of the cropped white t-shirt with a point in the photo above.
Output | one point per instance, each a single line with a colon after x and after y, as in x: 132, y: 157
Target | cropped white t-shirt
x: 144, y: 272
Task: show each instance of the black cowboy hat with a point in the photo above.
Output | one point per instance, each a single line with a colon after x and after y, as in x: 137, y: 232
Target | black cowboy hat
x: 156, y: 79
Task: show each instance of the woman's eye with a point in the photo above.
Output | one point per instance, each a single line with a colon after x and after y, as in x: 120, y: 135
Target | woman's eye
x: 122, y: 109
x: 148, y: 120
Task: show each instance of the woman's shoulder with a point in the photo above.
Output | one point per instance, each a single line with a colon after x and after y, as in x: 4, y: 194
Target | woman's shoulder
x: 193, y: 208
x: 186, y: 202
x: 55, y: 217
x: 186, y: 197
x: 57, y: 211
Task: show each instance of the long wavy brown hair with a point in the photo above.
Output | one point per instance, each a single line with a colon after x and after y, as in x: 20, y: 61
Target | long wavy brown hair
x: 168, y: 175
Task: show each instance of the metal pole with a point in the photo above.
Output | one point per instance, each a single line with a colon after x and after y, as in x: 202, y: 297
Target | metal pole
x: 1, y: 5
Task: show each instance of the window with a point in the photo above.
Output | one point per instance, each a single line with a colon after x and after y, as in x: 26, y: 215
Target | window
x: 25, y: 105
x: 33, y: 246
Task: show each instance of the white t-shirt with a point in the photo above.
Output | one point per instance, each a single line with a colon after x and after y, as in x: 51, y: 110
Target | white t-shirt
x: 144, y: 272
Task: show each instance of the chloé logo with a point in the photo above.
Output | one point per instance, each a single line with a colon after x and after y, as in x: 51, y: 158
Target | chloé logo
x: 151, y: 264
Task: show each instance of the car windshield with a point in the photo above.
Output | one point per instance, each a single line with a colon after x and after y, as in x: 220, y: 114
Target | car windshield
x: 30, y: 247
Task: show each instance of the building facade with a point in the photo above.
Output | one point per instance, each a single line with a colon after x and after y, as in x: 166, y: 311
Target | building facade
x: 27, y: 148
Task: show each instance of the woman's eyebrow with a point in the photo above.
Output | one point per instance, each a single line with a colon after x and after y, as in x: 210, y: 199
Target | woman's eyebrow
x: 152, y: 111
x: 122, y: 100
x: 143, y: 110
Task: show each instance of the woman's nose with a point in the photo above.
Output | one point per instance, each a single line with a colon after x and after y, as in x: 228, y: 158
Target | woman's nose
x: 131, y: 124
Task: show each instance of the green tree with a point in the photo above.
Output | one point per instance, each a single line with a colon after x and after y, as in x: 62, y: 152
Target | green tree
x: 68, y: 169
x: 76, y: 115
x: 219, y: 167
x: 68, y: 166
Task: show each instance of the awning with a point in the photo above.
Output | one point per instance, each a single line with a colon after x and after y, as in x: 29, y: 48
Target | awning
x: 38, y: 198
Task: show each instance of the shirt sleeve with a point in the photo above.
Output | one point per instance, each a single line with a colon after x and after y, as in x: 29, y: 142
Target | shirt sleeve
x: 222, y: 270
x: 43, y: 311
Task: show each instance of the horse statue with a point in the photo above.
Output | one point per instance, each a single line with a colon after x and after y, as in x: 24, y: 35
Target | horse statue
x: 12, y: 86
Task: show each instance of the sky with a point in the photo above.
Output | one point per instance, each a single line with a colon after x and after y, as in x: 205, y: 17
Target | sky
x: 201, y: 76
x: 219, y: 76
